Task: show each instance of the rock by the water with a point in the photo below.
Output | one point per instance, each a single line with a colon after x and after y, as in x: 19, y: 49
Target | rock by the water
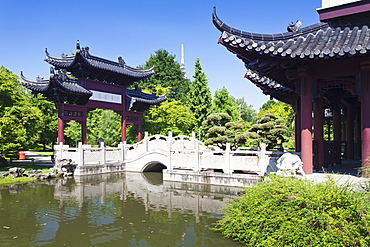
x: 16, y: 172
x: 4, y: 174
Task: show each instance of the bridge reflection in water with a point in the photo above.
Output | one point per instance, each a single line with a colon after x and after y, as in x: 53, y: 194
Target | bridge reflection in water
x: 150, y: 190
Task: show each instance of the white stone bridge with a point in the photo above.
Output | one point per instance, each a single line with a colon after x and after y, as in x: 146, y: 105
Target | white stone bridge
x: 180, y: 158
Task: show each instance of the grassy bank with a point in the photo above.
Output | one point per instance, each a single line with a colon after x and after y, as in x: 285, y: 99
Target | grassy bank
x: 10, y: 180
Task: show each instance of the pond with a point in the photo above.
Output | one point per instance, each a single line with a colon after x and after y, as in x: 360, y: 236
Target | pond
x: 123, y: 209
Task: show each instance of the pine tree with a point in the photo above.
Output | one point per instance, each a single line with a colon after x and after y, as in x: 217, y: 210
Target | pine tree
x: 270, y: 130
x: 199, y: 97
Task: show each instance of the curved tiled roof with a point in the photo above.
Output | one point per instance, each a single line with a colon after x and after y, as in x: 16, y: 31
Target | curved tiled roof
x: 315, y: 41
x: 59, y: 89
x: 271, y: 55
x: 85, y: 65
x: 138, y: 101
x: 270, y: 87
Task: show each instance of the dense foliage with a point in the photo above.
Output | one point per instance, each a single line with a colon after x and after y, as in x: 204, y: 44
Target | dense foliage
x: 21, y: 122
x: 104, y: 124
x: 295, y: 212
x: 169, y: 116
x: 72, y: 133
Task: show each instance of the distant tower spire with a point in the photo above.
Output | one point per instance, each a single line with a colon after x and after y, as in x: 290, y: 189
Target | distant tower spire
x: 182, y: 63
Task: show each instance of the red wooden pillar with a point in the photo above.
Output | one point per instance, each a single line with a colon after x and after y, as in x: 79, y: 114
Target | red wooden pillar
x: 319, y: 133
x: 124, y: 125
x: 337, y: 125
x: 298, y: 127
x: 365, y: 116
x: 350, y: 133
x: 84, y: 126
x: 140, y: 128
x: 60, y: 108
x: 84, y: 131
x: 306, y: 123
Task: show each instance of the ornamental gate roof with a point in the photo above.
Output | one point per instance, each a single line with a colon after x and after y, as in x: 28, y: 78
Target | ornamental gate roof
x: 59, y: 89
x: 83, y: 65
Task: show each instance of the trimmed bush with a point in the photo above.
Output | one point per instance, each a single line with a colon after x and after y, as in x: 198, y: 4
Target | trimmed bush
x: 295, y: 212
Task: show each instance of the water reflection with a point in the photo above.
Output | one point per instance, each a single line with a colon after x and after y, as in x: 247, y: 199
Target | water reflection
x: 124, y: 209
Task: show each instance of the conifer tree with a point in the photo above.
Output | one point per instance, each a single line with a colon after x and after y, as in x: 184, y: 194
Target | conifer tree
x: 199, y: 97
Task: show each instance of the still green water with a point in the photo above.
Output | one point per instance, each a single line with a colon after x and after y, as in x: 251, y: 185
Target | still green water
x: 124, y: 209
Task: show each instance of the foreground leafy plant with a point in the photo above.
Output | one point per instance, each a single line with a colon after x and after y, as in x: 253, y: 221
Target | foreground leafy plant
x: 294, y: 212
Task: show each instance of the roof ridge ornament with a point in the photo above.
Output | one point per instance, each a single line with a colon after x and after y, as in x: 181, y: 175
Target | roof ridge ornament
x: 121, y: 61
x: 294, y: 27
x: 39, y: 78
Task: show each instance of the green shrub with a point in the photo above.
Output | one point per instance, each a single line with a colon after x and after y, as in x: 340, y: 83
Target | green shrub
x: 295, y: 212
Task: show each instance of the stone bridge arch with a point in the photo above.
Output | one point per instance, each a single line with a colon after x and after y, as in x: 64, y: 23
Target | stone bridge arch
x: 154, y: 166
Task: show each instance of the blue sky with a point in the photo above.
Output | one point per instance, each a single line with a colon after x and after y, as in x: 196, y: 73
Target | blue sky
x: 136, y: 29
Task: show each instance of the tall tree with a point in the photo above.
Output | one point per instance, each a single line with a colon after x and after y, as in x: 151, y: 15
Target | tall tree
x: 167, y: 74
x: 199, y: 99
x: 223, y: 103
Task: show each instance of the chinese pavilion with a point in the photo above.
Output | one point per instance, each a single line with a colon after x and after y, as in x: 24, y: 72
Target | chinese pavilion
x: 83, y: 82
x: 323, y: 71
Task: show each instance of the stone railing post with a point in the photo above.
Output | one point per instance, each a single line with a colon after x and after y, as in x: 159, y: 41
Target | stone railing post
x: 124, y: 148
x: 197, y: 156
x: 59, y: 152
x: 146, y: 141
x: 80, y: 152
x: 121, y: 152
x: 102, y: 153
x: 169, y: 149
x: 194, y: 140
x: 227, y: 157
x: 262, y: 159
